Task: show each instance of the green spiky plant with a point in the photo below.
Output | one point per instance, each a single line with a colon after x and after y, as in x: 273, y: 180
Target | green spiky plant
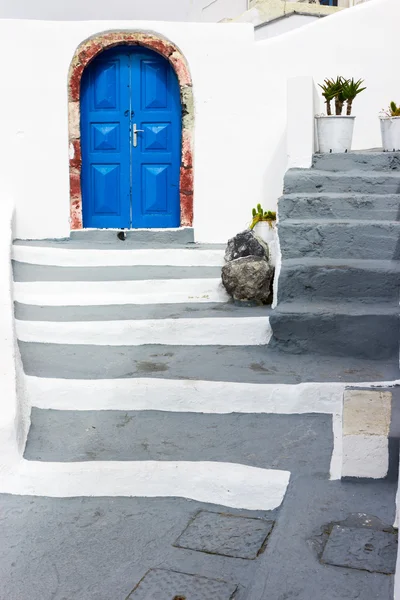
x: 260, y: 215
x: 393, y: 110
x: 351, y: 89
x: 340, y: 90
x: 327, y: 93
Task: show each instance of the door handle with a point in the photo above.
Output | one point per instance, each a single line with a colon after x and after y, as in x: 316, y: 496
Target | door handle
x: 135, y: 132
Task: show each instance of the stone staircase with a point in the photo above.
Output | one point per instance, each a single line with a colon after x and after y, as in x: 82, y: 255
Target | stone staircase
x: 339, y: 232
x: 134, y: 363
x: 154, y: 405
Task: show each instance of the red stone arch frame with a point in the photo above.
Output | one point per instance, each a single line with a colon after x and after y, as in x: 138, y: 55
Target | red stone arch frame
x: 84, y: 54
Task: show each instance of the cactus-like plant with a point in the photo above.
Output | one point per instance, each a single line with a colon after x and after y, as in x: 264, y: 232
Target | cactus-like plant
x: 351, y: 89
x: 394, y: 110
x: 260, y: 215
x: 340, y: 90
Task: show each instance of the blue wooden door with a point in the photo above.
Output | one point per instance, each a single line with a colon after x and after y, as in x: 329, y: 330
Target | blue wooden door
x: 156, y: 149
x: 131, y: 141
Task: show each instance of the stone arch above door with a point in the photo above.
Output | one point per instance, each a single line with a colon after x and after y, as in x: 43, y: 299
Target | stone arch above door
x: 84, y: 54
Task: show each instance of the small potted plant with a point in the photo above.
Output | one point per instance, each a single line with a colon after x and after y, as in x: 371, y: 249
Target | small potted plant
x: 335, y: 132
x: 263, y: 225
x: 390, y: 128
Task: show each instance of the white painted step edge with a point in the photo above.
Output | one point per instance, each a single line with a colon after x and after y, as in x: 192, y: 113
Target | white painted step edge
x: 89, y: 257
x: 228, y: 484
x: 175, y: 395
x: 226, y: 331
x: 214, y: 397
x: 103, y: 293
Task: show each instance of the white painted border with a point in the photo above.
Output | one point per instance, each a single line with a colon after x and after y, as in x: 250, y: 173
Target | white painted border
x: 175, y: 395
x: 89, y: 257
x: 103, y: 293
x: 229, y: 484
x: 226, y: 331
x: 214, y: 397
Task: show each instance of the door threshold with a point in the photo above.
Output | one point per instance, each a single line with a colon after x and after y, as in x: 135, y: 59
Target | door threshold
x: 176, y: 235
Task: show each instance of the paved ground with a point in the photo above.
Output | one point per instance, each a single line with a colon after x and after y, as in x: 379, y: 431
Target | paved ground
x: 100, y: 548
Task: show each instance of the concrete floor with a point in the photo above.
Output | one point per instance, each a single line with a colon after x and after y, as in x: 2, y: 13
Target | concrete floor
x: 100, y: 548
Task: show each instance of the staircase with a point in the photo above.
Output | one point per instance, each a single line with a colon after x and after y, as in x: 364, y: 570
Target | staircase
x: 155, y: 403
x: 339, y: 232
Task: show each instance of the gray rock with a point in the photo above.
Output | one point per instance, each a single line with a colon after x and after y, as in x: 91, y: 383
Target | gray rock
x: 246, y: 243
x: 248, y: 278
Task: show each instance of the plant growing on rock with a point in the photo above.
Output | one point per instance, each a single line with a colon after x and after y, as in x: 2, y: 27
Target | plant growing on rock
x: 260, y: 215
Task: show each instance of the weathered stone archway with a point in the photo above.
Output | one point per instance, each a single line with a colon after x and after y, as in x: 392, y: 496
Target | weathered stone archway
x: 84, y: 54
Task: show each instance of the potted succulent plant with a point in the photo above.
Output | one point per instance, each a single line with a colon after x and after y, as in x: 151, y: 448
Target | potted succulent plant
x: 335, y: 131
x: 390, y: 128
x: 263, y: 224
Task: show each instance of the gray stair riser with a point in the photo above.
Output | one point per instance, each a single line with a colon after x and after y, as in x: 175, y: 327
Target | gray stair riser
x: 309, y: 181
x: 362, y: 207
x: 353, y: 161
x: 183, y: 235
x: 375, y: 241
x: 328, y: 283
x: 30, y: 272
x: 364, y: 336
x: 126, y: 312
x: 153, y: 435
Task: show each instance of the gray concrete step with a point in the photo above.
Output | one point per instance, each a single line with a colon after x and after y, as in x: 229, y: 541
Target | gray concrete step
x: 180, y: 235
x: 379, y: 240
x: 358, y: 160
x: 246, y: 364
x: 29, y: 312
x: 30, y: 272
x: 342, y: 279
x: 301, y: 444
x: 112, y: 242
x: 299, y: 181
x: 370, y: 331
x: 373, y: 207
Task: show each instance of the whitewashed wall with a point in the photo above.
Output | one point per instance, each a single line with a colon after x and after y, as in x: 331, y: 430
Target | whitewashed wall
x: 283, y: 25
x: 240, y: 89
x: 160, y: 10
x: 213, y: 11
x: 317, y: 50
x: 34, y: 152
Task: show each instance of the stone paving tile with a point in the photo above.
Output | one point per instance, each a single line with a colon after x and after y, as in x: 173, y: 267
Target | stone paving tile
x: 160, y: 584
x: 224, y: 534
x: 364, y: 549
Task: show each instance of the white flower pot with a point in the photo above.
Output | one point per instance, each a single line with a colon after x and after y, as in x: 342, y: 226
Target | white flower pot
x: 267, y: 233
x: 390, y: 129
x: 335, y: 133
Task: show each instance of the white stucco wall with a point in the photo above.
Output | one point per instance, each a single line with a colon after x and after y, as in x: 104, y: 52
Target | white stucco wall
x: 216, y: 10
x: 240, y: 89
x: 283, y: 25
x: 160, y: 10
x: 302, y: 53
x: 36, y: 128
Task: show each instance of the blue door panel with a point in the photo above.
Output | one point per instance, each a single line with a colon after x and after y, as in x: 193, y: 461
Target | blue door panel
x: 156, y: 159
x: 105, y: 183
x: 124, y: 185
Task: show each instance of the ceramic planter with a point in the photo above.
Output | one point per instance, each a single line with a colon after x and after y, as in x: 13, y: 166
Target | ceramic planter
x: 335, y: 133
x: 390, y: 129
